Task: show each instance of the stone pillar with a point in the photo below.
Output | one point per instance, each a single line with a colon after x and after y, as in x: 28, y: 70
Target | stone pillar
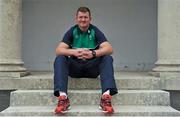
x: 11, y: 63
x: 168, y: 37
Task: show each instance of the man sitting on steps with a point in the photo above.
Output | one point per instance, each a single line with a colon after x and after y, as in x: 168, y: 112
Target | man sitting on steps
x: 84, y: 52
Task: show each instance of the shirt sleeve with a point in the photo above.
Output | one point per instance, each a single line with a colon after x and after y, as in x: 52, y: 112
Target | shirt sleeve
x: 99, y: 36
x: 68, y: 37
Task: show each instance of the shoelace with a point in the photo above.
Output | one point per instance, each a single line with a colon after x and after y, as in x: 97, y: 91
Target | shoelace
x: 61, y: 102
x: 107, y: 102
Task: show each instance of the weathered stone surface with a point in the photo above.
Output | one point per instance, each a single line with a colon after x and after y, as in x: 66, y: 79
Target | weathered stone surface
x: 86, y: 110
x: 10, y: 39
x: 36, y: 100
x: 90, y: 97
x: 168, y: 36
x: 44, y: 80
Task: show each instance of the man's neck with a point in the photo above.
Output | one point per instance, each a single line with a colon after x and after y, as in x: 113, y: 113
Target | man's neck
x: 84, y: 29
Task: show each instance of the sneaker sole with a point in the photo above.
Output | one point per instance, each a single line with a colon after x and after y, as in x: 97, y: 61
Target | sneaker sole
x: 63, y: 112
x: 106, y: 112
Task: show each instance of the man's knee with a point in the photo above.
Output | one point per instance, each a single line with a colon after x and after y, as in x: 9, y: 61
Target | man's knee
x: 107, y: 58
x: 60, y: 58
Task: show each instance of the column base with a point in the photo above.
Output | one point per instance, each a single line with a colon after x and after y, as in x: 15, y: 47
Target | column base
x: 13, y: 70
x: 14, y: 74
x: 165, y: 74
x: 168, y: 71
x: 167, y: 68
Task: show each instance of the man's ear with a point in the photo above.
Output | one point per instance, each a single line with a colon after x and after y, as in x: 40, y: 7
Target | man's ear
x: 75, y: 18
x: 90, y: 18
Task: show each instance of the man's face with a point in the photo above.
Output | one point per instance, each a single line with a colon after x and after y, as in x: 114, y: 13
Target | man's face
x: 83, y: 19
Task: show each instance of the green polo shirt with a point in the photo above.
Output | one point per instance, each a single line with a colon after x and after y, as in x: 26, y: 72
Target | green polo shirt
x: 90, y: 39
x: 83, y: 39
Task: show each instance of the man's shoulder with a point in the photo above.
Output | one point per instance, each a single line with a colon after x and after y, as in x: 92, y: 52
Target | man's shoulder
x: 95, y: 28
x: 73, y: 27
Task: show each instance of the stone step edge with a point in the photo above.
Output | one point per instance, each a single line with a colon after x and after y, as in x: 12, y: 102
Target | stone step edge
x: 46, y: 82
x: 93, y: 110
x: 90, y: 91
x: 124, y: 97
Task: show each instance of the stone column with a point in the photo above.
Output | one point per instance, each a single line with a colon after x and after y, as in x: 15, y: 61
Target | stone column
x: 168, y: 37
x: 11, y: 63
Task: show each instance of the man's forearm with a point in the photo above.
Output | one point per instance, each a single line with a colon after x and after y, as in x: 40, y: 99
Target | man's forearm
x: 66, y: 52
x: 103, y: 51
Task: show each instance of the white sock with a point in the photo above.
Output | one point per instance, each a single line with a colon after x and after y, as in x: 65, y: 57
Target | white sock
x: 62, y: 94
x: 107, y: 92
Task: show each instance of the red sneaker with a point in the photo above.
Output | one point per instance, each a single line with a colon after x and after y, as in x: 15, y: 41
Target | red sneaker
x: 63, y: 105
x: 105, y: 104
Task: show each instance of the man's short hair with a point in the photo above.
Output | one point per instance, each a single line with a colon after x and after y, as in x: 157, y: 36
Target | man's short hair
x: 83, y: 9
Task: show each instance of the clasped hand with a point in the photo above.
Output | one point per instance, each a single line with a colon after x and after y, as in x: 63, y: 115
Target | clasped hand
x: 83, y: 53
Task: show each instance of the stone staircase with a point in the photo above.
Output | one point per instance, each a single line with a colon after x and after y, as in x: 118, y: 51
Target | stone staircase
x: 139, y: 95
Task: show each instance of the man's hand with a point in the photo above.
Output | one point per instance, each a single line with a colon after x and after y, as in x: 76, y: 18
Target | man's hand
x: 78, y: 53
x: 87, y: 54
x: 82, y: 53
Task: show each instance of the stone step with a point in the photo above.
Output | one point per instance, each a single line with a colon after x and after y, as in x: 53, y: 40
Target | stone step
x: 44, y: 80
x: 90, y: 116
x: 87, y: 110
x: 89, y: 97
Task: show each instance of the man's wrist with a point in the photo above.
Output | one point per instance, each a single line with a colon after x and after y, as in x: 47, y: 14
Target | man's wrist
x: 93, y: 53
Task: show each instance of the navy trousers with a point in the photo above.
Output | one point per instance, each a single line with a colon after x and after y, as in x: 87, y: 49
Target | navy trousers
x: 76, y: 68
